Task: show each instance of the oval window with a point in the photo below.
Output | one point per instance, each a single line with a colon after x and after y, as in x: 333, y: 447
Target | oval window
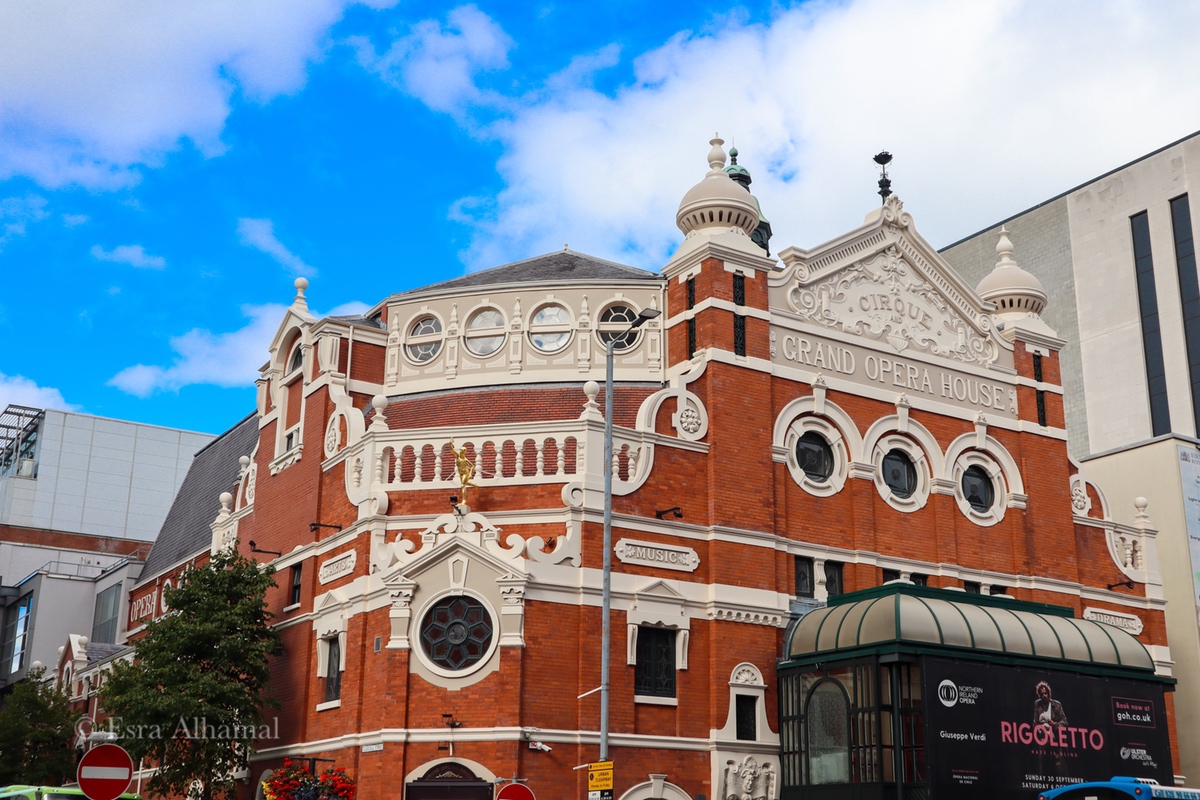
x: 978, y: 489
x: 485, y: 332
x: 614, y: 322
x: 899, y: 473
x: 550, y: 329
x: 424, y: 339
x: 814, y: 456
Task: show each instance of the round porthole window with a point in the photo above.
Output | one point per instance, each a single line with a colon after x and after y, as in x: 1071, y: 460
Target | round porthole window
x: 550, y: 328
x: 614, y: 321
x: 485, y: 332
x: 424, y: 339
x: 978, y: 489
x: 899, y: 473
x: 457, y: 632
x: 814, y: 456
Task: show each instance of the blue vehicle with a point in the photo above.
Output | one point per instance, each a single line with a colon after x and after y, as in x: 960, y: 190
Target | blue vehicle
x: 1119, y: 788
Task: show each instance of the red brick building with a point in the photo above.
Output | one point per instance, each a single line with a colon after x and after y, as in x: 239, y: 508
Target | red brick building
x: 786, y: 431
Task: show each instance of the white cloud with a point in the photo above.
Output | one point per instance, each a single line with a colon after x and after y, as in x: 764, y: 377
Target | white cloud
x: 133, y: 254
x: 229, y: 359
x: 260, y: 234
x: 74, y: 220
x: 438, y: 64
x: 17, y: 212
x: 988, y: 107
x: 89, y: 89
x: 21, y: 391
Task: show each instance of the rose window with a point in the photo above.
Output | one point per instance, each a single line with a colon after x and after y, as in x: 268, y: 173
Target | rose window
x: 456, y: 632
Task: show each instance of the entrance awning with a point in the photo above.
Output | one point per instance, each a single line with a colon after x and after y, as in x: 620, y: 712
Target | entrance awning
x: 906, y: 614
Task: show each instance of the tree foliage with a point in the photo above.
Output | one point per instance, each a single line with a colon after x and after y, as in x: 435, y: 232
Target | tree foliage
x: 191, y: 702
x: 37, y: 734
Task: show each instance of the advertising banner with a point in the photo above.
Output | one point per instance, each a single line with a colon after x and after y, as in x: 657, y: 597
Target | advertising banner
x: 997, y: 731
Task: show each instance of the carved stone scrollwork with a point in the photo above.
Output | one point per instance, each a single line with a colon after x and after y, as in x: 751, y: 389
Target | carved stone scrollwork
x: 748, y: 675
x: 885, y: 298
x: 748, y: 780
x: 333, y: 435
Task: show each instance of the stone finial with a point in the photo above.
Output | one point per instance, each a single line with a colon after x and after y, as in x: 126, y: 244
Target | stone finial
x: 226, y: 503
x: 379, y: 421
x: 591, y: 408
x: 716, y: 156
x: 300, y: 302
x: 1004, y: 249
x: 244, y: 461
x: 1141, y: 519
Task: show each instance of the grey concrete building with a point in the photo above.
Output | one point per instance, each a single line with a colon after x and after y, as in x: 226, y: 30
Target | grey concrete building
x: 1116, y: 256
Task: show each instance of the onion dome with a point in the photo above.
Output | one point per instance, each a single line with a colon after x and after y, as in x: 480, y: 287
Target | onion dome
x: 717, y: 202
x: 1014, y: 291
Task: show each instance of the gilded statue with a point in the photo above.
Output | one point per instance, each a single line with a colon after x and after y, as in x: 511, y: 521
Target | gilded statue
x: 466, y: 471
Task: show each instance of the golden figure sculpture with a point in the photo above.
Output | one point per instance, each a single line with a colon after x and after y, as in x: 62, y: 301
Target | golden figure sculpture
x: 466, y: 470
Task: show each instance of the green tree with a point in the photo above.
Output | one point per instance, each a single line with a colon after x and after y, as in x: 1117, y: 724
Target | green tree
x: 191, y: 701
x: 37, y: 734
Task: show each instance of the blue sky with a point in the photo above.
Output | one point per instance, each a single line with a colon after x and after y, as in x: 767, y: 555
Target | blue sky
x: 168, y: 170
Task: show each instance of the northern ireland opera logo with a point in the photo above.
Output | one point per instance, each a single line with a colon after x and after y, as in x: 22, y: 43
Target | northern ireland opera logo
x: 951, y: 694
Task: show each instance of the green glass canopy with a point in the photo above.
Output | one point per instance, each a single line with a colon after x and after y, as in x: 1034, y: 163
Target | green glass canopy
x: 903, y: 614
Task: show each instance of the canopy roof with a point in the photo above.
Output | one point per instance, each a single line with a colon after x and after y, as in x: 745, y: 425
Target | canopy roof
x: 905, y: 614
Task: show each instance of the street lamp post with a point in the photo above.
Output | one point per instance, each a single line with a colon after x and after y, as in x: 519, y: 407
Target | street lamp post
x: 606, y: 586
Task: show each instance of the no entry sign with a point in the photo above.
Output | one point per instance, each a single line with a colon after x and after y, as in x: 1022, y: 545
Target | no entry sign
x: 515, y: 791
x: 105, y: 772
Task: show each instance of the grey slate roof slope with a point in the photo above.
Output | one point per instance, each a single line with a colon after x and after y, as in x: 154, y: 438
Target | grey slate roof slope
x: 187, y: 529
x: 98, y: 651
x: 360, y: 321
x: 562, y: 265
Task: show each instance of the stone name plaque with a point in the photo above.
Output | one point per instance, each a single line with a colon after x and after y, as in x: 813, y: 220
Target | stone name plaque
x: 901, y: 374
x: 1126, y: 622
x: 337, y: 566
x: 651, y: 554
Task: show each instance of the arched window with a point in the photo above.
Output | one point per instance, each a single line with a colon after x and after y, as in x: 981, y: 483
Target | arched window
x: 297, y: 359
x: 828, y: 716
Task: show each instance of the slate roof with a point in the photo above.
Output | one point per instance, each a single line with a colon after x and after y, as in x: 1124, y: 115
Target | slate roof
x: 98, y: 651
x: 360, y: 321
x: 562, y: 265
x: 187, y: 529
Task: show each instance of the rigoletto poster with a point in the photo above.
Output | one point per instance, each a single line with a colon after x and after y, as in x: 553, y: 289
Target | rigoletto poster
x: 1003, y: 731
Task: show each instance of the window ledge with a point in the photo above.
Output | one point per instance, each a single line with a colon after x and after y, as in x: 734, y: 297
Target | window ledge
x: 655, y: 701
x: 328, y: 705
x: 285, y: 460
x: 292, y: 607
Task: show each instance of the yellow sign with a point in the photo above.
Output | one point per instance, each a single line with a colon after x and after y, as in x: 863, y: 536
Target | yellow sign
x: 600, y: 776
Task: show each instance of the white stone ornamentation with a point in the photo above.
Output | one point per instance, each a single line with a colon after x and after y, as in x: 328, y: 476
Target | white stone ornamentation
x: 654, y: 554
x: 337, y: 567
x: 883, y: 297
x: 749, y: 780
x: 1130, y: 623
x: 333, y: 435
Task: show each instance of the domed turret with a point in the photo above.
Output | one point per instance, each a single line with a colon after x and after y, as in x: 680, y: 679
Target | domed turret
x: 717, y: 202
x: 1015, y: 292
x: 761, y: 235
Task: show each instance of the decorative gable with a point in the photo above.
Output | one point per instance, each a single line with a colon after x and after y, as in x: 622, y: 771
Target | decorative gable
x: 886, y: 283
